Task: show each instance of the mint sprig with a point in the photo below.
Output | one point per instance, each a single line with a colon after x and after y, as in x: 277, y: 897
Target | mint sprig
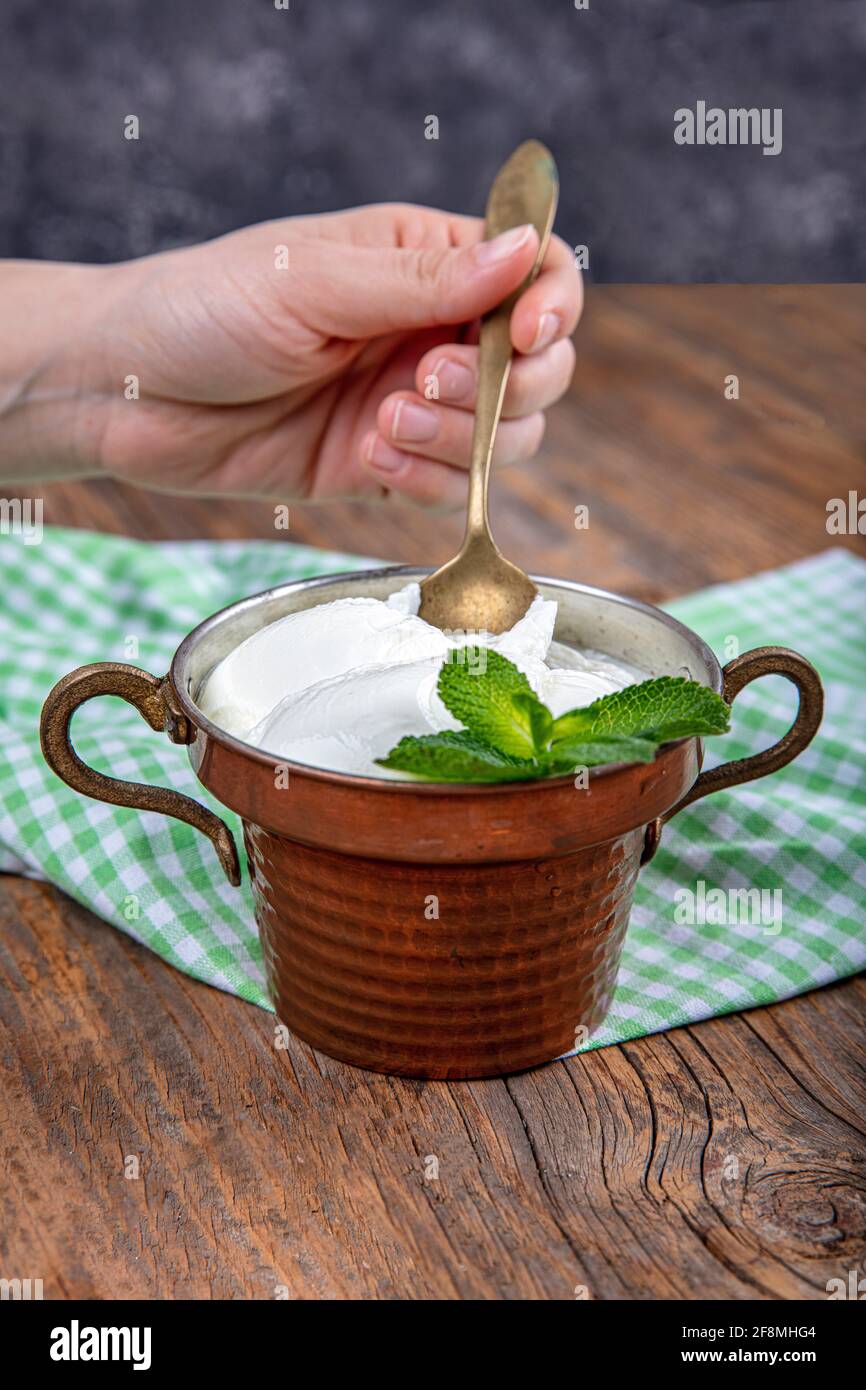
x: 510, y: 735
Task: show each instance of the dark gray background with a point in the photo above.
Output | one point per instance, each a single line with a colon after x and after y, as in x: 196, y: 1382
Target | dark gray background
x: 248, y: 112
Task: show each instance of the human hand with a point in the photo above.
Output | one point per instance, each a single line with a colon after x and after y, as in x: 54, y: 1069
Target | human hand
x: 291, y: 360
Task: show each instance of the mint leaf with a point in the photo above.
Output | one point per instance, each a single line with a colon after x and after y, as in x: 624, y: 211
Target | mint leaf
x: 539, y: 716
x: 482, y: 696
x: 666, y: 708
x: 456, y: 756
x: 568, y: 755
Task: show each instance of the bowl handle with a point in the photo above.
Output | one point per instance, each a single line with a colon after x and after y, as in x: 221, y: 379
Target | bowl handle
x: 760, y: 661
x: 153, y: 698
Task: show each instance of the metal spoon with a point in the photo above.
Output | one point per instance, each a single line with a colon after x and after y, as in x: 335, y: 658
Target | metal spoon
x: 479, y: 590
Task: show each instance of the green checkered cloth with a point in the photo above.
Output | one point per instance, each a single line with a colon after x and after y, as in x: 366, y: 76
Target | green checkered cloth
x: 798, y: 836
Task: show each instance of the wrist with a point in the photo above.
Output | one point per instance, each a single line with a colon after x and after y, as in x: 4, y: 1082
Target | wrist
x: 52, y: 395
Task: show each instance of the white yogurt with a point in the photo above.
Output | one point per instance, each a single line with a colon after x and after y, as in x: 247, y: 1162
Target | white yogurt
x: 338, y: 685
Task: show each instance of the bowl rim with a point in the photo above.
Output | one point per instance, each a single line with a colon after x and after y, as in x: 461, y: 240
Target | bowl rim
x: 359, y: 782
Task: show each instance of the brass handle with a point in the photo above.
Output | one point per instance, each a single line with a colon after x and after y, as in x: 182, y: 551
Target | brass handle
x: 152, y: 698
x: 761, y: 661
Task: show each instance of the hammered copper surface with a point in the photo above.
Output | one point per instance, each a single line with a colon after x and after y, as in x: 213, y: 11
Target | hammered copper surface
x: 442, y: 971
x: 424, y: 823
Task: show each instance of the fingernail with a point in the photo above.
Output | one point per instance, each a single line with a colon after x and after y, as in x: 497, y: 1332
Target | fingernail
x: 380, y: 454
x: 504, y: 245
x: 413, y: 422
x: 548, y: 326
x: 453, y: 380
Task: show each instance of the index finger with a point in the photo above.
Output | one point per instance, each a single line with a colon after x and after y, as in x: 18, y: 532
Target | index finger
x: 549, y: 309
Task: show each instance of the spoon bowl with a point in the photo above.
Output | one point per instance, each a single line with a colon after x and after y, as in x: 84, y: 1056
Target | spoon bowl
x: 478, y: 591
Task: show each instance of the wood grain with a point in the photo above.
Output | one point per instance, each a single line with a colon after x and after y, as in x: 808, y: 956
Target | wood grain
x: 727, y: 1159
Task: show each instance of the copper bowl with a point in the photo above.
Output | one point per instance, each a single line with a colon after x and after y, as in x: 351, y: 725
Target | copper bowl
x: 433, y: 930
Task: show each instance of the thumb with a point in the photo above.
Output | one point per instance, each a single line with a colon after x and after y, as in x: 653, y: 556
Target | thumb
x: 361, y: 292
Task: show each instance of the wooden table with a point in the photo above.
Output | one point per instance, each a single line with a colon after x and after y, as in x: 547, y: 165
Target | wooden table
x: 264, y: 1171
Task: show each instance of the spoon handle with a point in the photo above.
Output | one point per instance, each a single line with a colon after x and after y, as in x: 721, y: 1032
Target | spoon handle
x: 526, y: 189
x: 494, y: 368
